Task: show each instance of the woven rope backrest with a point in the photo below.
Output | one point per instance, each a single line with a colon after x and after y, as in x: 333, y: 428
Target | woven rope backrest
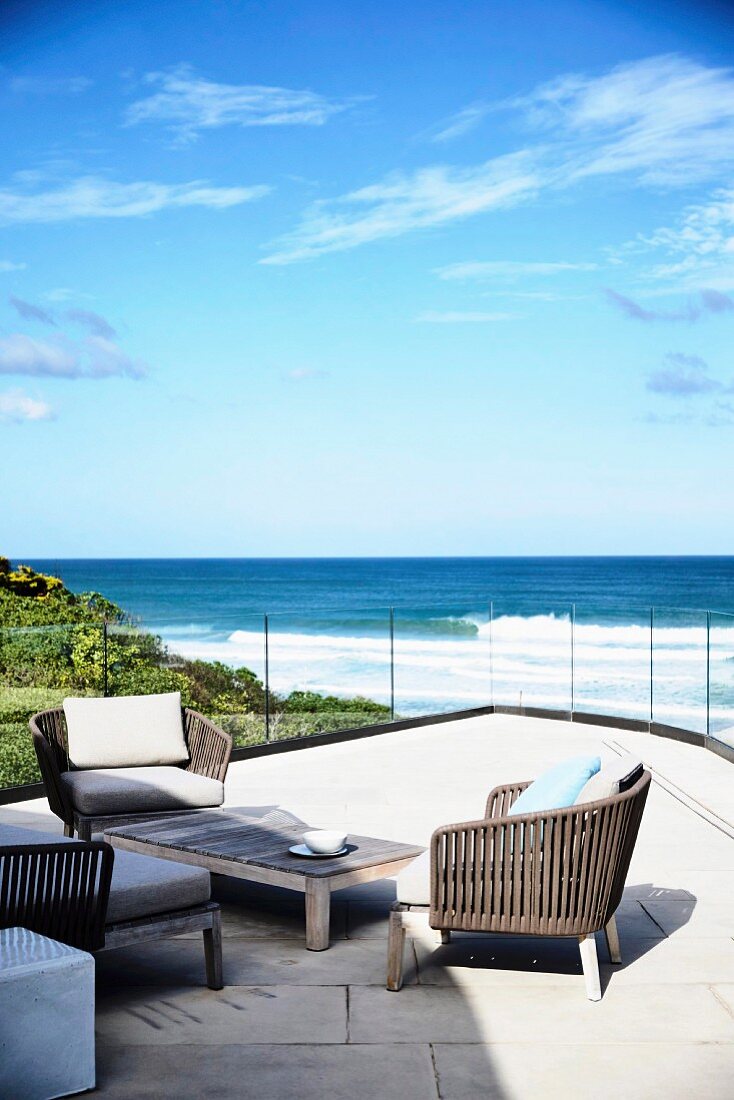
x: 58, y: 890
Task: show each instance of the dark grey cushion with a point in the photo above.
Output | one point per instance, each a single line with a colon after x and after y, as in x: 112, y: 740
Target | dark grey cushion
x: 140, y: 790
x: 141, y: 886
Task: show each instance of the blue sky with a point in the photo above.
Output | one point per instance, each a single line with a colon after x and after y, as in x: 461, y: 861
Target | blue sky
x: 333, y: 279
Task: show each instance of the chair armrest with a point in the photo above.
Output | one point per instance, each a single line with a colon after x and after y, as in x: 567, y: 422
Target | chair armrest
x: 60, y: 890
x: 58, y: 799
x: 209, y: 746
x: 501, y: 798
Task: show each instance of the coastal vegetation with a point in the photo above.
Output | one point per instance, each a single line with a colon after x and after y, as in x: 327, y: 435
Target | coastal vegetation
x: 54, y: 643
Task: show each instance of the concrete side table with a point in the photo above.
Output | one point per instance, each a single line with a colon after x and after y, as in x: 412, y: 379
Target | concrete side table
x: 46, y: 1017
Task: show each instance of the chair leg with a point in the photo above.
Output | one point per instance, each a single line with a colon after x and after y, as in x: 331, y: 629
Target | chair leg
x: 395, y: 951
x: 610, y: 931
x: 590, y: 965
x: 444, y: 935
x: 213, y: 952
x: 68, y: 829
x: 84, y: 829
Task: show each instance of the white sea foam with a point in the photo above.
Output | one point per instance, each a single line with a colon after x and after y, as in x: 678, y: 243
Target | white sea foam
x: 529, y: 659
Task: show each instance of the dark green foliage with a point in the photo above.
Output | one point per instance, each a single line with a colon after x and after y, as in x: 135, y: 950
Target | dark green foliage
x: 55, y: 643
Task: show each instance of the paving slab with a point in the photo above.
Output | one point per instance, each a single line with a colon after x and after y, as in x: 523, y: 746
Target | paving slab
x: 553, y: 1013
x: 135, y: 1015
x: 608, y: 1071
x: 266, y: 1072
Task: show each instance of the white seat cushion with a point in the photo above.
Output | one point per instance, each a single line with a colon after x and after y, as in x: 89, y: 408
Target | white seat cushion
x: 125, y: 732
x: 413, y: 884
x: 100, y: 791
x: 141, y: 885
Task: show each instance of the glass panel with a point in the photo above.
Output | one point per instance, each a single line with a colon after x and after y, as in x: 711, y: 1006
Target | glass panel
x: 442, y: 660
x: 328, y: 670
x: 721, y: 691
x: 39, y: 666
x: 679, y: 668
x: 531, y: 656
x: 612, y: 662
x: 221, y: 676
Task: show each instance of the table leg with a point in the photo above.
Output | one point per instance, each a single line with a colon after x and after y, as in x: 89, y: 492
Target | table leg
x: 318, y: 907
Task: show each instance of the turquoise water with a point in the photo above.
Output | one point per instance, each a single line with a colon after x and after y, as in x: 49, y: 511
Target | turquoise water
x: 329, y: 627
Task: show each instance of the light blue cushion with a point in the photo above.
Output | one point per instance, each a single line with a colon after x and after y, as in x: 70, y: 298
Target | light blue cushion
x: 557, y: 787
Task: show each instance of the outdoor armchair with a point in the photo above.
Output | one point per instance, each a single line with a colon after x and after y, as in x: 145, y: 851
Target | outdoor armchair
x: 554, y: 873
x: 92, y: 800
x: 88, y: 896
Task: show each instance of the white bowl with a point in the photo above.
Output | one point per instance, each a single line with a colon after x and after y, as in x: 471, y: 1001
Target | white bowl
x: 324, y: 841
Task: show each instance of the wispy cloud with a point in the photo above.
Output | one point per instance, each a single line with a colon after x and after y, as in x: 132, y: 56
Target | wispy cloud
x: 458, y: 124
x: 699, y: 248
x: 45, y: 85
x: 19, y: 407
x: 401, y: 202
x: 64, y: 294
x: 29, y: 312
x: 8, y: 265
x: 458, y: 317
x: 94, y: 358
x: 187, y: 104
x: 508, y: 269
x: 97, y: 197
x: 665, y: 120
x: 706, y: 301
x: 94, y: 322
x: 683, y: 376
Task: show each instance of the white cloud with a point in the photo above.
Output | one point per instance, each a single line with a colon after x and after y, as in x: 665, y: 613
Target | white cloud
x: 188, y: 103
x: 96, y: 197
x: 64, y: 294
x: 699, y: 248
x: 18, y: 407
x: 458, y: 317
x: 666, y: 119
x: 508, y: 269
x: 460, y: 123
x: 94, y: 357
x: 401, y: 202
x: 8, y: 265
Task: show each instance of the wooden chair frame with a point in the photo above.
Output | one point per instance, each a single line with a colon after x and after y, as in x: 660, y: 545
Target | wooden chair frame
x: 209, y: 751
x: 557, y: 873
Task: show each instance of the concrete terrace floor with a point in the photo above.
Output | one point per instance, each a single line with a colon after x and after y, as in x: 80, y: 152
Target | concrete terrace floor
x: 493, y: 1017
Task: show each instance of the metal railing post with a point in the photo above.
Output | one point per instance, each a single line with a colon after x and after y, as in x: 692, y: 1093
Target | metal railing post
x: 105, y: 673
x: 652, y: 681
x: 708, y: 673
x: 491, y: 654
x: 267, y: 678
x: 573, y: 658
x: 392, y: 664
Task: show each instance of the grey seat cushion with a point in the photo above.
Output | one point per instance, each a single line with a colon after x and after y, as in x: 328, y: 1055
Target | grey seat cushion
x: 141, y: 885
x: 413, y: 884
x: 140, y: 790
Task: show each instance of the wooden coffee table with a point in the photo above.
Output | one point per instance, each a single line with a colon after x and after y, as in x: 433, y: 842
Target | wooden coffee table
x: 253, y: 848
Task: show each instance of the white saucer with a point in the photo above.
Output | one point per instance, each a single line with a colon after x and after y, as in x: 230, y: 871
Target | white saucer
x: 306, y: 853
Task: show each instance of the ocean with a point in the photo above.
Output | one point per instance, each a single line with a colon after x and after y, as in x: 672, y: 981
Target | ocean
x: 466, y: 631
